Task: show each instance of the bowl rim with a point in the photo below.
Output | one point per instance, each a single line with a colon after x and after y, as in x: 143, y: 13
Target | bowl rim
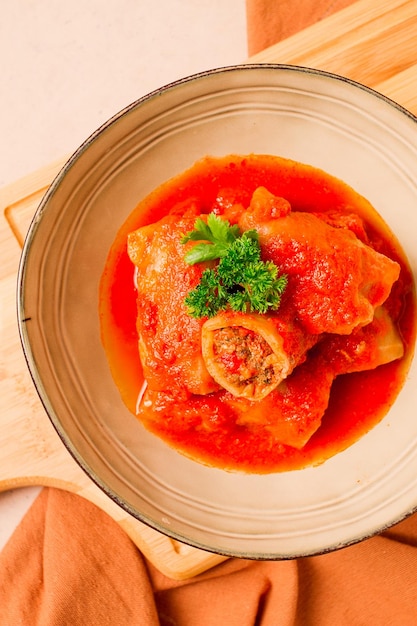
x: 31, y: 234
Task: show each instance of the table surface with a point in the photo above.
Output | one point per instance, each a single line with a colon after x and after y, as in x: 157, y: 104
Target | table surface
x: 69, y: 71
x: 71, y: 66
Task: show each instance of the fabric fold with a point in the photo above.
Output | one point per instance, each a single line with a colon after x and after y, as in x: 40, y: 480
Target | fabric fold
x: 68, y: 562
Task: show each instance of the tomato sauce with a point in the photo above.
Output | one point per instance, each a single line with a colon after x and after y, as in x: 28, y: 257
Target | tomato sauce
x: 204, y: 427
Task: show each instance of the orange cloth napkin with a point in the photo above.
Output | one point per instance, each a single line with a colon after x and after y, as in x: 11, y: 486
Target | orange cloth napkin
x: 68, y: 563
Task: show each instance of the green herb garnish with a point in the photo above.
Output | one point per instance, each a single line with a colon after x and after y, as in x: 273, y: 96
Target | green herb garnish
x: 240, y: 281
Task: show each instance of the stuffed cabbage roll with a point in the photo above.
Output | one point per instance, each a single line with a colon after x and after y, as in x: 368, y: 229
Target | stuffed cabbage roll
x: 335, y: 281
x: 169, y: 340
x: 335, y: 284
x: 250, y: 354
x: 365, y: 348
x: 293, y: 411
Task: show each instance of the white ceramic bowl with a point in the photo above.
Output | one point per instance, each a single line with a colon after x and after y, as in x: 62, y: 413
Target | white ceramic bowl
x: 310, y: 116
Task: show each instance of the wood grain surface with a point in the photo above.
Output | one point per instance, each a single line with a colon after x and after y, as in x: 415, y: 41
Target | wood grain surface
x: 373, y: 42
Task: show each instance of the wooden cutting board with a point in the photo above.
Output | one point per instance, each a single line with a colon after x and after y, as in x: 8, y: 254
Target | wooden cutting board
x: 373, y: 42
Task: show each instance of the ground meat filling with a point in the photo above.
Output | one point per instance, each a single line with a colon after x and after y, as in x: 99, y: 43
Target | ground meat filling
x: 244, y: 356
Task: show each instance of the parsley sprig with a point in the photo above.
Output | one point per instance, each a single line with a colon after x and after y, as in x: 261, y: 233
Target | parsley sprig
x: 241, y: 281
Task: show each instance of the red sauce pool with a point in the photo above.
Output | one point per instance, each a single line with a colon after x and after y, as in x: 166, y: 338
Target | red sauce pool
x: 357, y: 401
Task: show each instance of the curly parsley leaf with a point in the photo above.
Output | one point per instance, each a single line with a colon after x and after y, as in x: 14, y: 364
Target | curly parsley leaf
x: 208, y: 297
x: 241, y: 281
x: 217, y: 232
